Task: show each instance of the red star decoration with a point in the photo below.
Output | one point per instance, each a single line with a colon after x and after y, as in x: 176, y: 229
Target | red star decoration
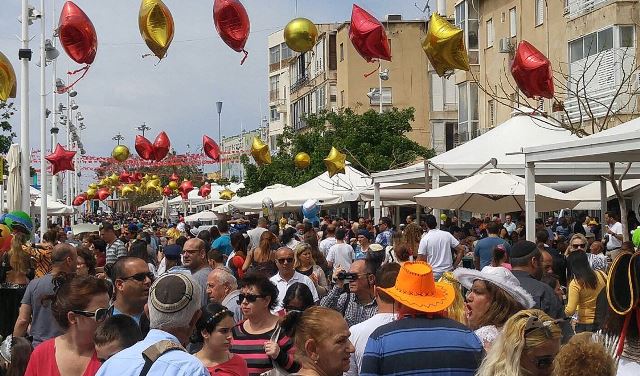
x: 61, y: 159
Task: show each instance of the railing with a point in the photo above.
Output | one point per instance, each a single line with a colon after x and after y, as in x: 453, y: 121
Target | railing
x: 299, y: 83
x: 576, y: 8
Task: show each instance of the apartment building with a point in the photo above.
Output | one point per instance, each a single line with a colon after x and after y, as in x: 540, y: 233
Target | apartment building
x: 591, y: 45
x: 279, y: 56
x: 233, y: 147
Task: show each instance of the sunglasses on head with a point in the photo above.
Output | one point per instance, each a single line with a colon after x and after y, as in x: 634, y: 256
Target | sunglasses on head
x: 99, y: 315
x: 534, y: 323
x: 287, y: 259
x: 140, y: 277
x: 251, y: 298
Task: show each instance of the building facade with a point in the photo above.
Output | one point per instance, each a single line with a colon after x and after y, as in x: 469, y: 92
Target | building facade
x: 233, y: 147
x: 279, y: 56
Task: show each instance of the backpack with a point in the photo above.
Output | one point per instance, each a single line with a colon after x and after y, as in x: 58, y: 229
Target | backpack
x: 602, y: 304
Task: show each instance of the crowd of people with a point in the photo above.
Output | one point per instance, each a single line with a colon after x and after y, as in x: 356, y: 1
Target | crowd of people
x: 258, y: 297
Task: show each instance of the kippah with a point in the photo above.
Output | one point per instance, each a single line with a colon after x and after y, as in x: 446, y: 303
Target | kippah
x: 171, y: 293
x: 522, y: 248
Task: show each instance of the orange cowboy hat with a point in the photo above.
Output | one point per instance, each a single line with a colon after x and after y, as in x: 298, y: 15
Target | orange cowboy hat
x: 416, y: 288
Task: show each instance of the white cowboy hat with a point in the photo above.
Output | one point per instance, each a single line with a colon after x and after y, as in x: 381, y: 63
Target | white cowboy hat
x: 500, y: 277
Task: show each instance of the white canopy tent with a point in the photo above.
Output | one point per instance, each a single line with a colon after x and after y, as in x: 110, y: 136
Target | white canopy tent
x: 203, y: 216
x: 152, y: 206
x: 620, y: 144
x: 589, y: 195
x: 349, y: 186
x: 284, y: 196
x: 53, y: 207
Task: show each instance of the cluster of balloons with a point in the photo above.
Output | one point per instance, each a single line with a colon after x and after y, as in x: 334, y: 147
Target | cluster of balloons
x: 8, y: 222
x: 153, y: 152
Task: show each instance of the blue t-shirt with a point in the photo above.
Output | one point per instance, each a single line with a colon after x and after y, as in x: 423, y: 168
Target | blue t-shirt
x: 223, y: 244
x: 484, y: 249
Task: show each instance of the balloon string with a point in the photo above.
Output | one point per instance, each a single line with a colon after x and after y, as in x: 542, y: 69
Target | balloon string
x: 245, y: 56
x: 373, y: 71
x: 66, y: 88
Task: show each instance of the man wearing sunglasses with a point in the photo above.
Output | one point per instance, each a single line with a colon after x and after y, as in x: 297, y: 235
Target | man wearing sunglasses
x: 132, y: 281
x: 287, y: 276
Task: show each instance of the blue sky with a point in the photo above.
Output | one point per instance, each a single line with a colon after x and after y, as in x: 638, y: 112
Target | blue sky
x: 178, y: 95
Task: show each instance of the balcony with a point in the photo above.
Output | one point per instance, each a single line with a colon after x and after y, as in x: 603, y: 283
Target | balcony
x: 302, y: 80
x: 274, y: 95
x: 577, y: 8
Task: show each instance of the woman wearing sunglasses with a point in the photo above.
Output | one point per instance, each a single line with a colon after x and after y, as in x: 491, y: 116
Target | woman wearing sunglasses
x: 529, y: 343
x: 258, y: 339
x: 79, y: 305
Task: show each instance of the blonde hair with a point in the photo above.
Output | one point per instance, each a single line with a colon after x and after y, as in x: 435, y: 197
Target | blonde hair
x: 576, y: 236
x: 18, y: 257
x: 300, y: 249
x: 310, y: 324
x: 503, y: 359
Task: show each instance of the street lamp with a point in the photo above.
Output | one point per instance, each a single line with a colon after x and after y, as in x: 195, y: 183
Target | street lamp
x: 118, y: 138
x: 143, y: 128
x: 219, y: 108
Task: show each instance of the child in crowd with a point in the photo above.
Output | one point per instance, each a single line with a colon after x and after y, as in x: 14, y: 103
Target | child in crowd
x: 114, y: 334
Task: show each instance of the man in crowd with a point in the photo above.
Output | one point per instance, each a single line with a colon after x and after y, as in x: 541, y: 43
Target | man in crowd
x: 613, y: 233
x: 115, y: 246
x: 287, y: 276
x: 559, y: 262
x: 328, y: 241
x: 174, y: 309
x: 364, y: 242
x: 508, y: 224
x: 340, y: 255
x: 483, y: 252
x: 131, y: 279
x: 223, y: 242
x: 222, y: 288
x: 597, y: 250
x: 195, y: 259
x: 360, y: 333
x: 423, y: 341
x: 254, y: 234
x: 32, y: 310
x: 358, y: 303
x: 384, y: 237
x: 436, y: 247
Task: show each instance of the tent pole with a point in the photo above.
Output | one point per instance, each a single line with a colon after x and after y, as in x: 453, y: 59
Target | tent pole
x: 603, y: 199
x: 530, y: 200
x: 376, y: 203
x: 435, y: 183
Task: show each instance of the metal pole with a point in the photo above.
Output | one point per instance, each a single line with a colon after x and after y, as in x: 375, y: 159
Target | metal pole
x: 380, y: 88
x: 43, y: 127
x: 219, y: 109
x: 54, y: 136
x: 25, y: 157
x: 530, y: 199
x: 67, y: 179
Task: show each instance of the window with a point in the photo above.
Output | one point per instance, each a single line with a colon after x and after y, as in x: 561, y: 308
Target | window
x: 467, y: 19
x: 386, y: 96
x: 443, y: 93
x: 341, y: 98
x: 491, y: 112
x: 467, y: 111
x: 626, y: 36
x: 341, y: 51
x: 490, y: 32
x: 539, y: 12
x: 286, y: 51
x: 274, y: 54
x: 513, y: 22
x: 600, y: 41
x: 274, y: 83
x: 274, y: 114
x: 320, y: 98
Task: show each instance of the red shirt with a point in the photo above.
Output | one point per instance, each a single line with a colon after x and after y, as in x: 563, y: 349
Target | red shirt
x: 43, y: 361
x: 236, y: 366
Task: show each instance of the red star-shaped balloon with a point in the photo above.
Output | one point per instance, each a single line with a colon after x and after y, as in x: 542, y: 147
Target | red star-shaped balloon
x: 61, y: 159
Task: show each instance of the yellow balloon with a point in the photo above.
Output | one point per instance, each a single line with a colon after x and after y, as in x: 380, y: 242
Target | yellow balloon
x: 7, y: 79
x: 103, y: 182
x: 173, y: 185
x: 154, y: 186
x: 302, y: 160
x: 93, y: 186
x: 156, y: 26
x: 114, y: 179
x: 227, y: 194
x: 260, y: 152
x: 444, y: 46
x: 127, y: 190
x: 335, y: 162
x: 91, y: 193
x: 120, y: 153
x: 300, y: 34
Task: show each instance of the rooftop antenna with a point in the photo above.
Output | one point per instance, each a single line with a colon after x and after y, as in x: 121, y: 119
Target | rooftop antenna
x: 425, y: 9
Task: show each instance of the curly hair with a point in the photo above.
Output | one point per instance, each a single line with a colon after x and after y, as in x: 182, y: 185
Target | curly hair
x: 264, y: 287
x: 582, y: 353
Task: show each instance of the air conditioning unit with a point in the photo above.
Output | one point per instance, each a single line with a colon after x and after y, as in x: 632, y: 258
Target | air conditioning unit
x: 505, y: 45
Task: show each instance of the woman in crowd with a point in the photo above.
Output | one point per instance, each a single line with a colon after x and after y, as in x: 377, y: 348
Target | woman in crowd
x: 527, y: 347
x: 500, y: 257
x: 582, y: 355
x: 139, y: 249
x: 14, y: 356
x: 86, y: 262
x: 288, y: 238
x: 411, y: 236
x: 215, y: 233
x: 79, y: 304
x: 297, y: 298
x: 235, y: 262
x: 321, y: 340
x: 213, y: 329
x: 16, y: 263
x: 261, y: 259
x: 583, y: 290
x: 99, y: 248
x: 311, y: 238
x: 305, y: 264
x: 494, y: 296
x: 257, y: 298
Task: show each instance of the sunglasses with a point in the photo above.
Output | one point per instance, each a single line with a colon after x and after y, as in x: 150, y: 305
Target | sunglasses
x: 99, y: 315
x: 581, y: 245
x: 140, y: 277
x: 544, y: 362
x: 283, y: 260
x: 251, y: 298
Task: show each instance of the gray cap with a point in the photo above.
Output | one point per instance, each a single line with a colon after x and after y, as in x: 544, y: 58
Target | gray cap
x: 172, y: 292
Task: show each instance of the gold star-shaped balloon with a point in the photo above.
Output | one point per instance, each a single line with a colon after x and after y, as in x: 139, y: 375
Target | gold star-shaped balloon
x: 8, y: 84
x: 127, y: 189
x: 260, y: 152
x: 335, y: 162
x: 226, y: 194
x: 444, y: 46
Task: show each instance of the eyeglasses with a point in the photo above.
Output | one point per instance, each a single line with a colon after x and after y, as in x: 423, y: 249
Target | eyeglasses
x: 140, y: 277
x: 99, y: 315
x: 544, y: 362
x: 191, y: 251
x: 251, y: 298
x: 579, y: 245
x: 283, y: 260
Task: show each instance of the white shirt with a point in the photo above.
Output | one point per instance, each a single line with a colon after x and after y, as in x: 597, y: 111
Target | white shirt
x: 615, y: 243
x: 437, y: 245
x: 511, y: 227
x: 341, y: 255
x: 360, y: 334
x: 326, y: 244
x: 283, y: 285
x: 254, y: 236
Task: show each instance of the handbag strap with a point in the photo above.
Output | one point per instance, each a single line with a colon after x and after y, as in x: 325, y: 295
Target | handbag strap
x: 155, y: 351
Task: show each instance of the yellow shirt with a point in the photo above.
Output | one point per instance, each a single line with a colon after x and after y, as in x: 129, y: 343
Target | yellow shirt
x: 584, y: 300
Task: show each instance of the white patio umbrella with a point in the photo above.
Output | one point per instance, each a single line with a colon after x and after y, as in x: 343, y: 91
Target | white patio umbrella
x: 14, y: 183
x: 205, y: 216
x: 492, y: 191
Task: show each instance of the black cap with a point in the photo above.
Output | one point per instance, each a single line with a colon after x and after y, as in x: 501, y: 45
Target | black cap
x: 522, y: 248
x: 172, y: 252
x: 171, y: 293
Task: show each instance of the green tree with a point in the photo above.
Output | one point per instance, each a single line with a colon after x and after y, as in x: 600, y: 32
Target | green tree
x: 372, y: 142
x: 6, y: 111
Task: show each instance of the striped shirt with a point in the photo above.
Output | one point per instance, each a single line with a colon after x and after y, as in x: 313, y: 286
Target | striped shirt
x: 422, y: 346
x: 115, y: 250
x: 251, y: 348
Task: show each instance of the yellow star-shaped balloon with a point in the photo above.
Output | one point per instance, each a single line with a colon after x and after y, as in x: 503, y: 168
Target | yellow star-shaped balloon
x: 226, y: 194
x: 335, y: 162
x: 260, y: 152
x: 127, y: 189
x: 8, y: 84
x: 444, y: 46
